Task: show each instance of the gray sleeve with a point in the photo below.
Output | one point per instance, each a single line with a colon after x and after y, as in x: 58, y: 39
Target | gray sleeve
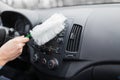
x: 1, y: 67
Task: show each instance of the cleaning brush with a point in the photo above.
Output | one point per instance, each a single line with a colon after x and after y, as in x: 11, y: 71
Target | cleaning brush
x: 48, y: 30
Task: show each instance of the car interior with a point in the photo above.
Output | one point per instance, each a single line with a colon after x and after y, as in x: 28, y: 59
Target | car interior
x: 87, y: 49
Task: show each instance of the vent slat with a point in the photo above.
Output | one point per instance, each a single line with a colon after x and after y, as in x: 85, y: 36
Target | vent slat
x: 76, y: 30
x: 74, y: 38
x: 70, y: 39
x: 78, y: 39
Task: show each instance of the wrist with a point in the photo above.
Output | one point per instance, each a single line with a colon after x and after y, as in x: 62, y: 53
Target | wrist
x: 2, y: 61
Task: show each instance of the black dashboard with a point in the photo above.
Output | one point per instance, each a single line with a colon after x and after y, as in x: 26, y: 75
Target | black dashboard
x: 87, y: 48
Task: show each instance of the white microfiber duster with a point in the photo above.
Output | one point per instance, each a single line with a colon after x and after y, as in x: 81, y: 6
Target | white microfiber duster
x: 49, y: 29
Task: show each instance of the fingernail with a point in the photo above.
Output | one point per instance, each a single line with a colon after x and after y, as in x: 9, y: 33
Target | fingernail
x: 22, y: 36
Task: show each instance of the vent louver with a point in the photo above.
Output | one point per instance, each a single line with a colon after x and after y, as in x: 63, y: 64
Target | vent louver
x: 74, y: 38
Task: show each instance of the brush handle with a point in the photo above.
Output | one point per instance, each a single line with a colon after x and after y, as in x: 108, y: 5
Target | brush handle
x: 28, y: 36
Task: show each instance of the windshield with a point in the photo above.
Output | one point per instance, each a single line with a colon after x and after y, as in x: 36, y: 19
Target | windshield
x: 37, y: 4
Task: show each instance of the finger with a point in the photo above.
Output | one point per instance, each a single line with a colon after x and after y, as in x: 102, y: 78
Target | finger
x: 20, y: 51
x: 22, y: 36
x: 21, y: 39
x: 15, y: 56
x: 21, y: 45
x: 25, y: 40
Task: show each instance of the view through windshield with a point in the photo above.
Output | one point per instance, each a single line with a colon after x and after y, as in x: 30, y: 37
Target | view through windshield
x: 35, y: 4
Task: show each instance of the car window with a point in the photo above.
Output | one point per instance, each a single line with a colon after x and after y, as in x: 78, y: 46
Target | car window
x: 38, y: 4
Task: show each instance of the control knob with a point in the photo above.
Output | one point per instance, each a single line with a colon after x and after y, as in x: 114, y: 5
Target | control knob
x: 53, y: 63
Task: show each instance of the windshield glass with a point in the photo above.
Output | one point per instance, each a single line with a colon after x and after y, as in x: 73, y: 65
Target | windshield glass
x: 37, y: 4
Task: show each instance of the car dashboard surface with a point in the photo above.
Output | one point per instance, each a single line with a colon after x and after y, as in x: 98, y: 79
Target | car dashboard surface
x: 87, y: 49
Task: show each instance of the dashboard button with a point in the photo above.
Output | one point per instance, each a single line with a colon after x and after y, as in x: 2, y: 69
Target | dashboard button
x: 35, y: 57
x: 57, y: 50
x: 59, y: 40
x: 62, y: 34
x: 43, y: 61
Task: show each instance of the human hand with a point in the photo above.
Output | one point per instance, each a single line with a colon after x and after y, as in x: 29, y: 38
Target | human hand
x: 12, y: 49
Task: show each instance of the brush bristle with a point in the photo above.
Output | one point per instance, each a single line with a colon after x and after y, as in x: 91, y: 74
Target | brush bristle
x: 49, y: 29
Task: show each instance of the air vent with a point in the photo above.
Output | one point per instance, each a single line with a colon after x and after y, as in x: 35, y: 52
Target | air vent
x: 74, y: 38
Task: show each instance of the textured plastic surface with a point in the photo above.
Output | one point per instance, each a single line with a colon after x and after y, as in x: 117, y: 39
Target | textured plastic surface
x: 101, y: 39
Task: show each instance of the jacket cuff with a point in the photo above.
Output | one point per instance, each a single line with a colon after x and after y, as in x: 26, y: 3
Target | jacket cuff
x: 1, y: 67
